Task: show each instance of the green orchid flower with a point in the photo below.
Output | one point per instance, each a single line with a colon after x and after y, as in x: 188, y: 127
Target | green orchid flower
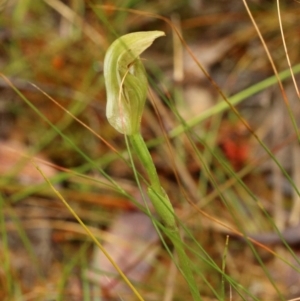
x: 126, y: 80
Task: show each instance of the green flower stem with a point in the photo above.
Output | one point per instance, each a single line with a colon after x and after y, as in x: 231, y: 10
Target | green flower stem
x: 164, y: 208
x: 142, y: 151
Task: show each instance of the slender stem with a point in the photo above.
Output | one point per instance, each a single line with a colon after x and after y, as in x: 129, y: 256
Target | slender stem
x: 165, y: 210
x: 156, y: 193
x: 185, y: 265
x: 142, y: 151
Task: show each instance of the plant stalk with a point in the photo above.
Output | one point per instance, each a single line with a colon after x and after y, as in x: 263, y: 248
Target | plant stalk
x: 165, y: 210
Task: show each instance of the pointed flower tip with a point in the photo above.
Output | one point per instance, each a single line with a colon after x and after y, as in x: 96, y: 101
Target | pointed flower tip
x: 126, y: 80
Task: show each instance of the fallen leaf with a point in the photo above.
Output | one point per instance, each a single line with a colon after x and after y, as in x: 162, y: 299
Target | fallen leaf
x: 133, y: 249
x: 15, y: 162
